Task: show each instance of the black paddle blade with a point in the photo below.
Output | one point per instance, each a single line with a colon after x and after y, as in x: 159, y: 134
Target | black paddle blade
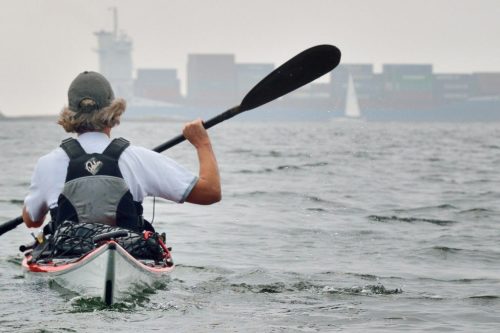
x: 302, y: 69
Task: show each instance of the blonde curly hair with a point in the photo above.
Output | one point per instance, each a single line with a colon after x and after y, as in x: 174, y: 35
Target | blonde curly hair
x: 94, y: 121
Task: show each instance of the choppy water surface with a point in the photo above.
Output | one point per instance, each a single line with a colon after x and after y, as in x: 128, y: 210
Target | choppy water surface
x: 323, y: 227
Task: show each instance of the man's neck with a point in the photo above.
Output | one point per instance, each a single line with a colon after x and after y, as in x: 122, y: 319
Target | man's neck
x: 106, y: 131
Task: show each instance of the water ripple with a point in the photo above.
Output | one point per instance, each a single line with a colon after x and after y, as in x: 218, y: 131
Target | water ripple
x: 377, y: 289
x: 394, y: 218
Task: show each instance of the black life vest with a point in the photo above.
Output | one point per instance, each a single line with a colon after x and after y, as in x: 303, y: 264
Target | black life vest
x: 95, y: 191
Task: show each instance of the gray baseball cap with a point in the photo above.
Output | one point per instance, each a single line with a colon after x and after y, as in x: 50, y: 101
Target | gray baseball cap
x: 89, y: 85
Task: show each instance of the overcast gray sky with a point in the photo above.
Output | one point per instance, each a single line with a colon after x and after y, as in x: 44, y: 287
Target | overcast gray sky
x: 45, y: 43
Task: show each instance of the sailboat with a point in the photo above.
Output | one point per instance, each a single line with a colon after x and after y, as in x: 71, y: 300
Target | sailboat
x: 352, y: 109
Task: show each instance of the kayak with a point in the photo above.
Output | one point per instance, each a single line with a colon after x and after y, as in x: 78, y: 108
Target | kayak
x: 107, y: 270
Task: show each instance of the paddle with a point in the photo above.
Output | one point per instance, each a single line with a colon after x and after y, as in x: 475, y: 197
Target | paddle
x: 8, y: 226
x: 304, y: 68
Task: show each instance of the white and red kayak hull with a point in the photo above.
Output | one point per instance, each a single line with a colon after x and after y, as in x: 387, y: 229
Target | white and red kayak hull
x: 108, y: 272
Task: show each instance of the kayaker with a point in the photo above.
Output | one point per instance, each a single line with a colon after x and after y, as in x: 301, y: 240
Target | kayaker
x: 95, y: 179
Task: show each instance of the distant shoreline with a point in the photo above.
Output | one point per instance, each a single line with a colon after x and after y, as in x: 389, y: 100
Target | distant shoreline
x: 294, y: 116
x: 54, y: 118
x: 31, y: 118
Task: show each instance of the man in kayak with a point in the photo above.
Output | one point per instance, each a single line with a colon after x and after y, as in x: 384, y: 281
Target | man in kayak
x: 95, y: 179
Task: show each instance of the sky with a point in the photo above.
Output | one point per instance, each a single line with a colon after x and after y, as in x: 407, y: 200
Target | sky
x: 46, y: 43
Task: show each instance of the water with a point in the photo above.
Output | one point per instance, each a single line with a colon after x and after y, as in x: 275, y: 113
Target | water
x: 329, y: 227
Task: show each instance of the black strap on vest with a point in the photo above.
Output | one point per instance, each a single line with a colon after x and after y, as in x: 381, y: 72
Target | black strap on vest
x: 116, y: 148
x: 73, y: 148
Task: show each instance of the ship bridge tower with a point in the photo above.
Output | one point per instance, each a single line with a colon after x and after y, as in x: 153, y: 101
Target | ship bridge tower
x: 115, y: 58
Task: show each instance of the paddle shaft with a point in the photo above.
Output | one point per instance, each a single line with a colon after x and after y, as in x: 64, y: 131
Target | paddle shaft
x: 207, y: 124
x: 8, y: 226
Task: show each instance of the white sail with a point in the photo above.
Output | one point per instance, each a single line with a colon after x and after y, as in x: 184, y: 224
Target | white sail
x: 351, y: 105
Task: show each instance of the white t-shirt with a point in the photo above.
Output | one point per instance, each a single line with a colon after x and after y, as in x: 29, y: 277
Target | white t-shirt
x: 146, y: 172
